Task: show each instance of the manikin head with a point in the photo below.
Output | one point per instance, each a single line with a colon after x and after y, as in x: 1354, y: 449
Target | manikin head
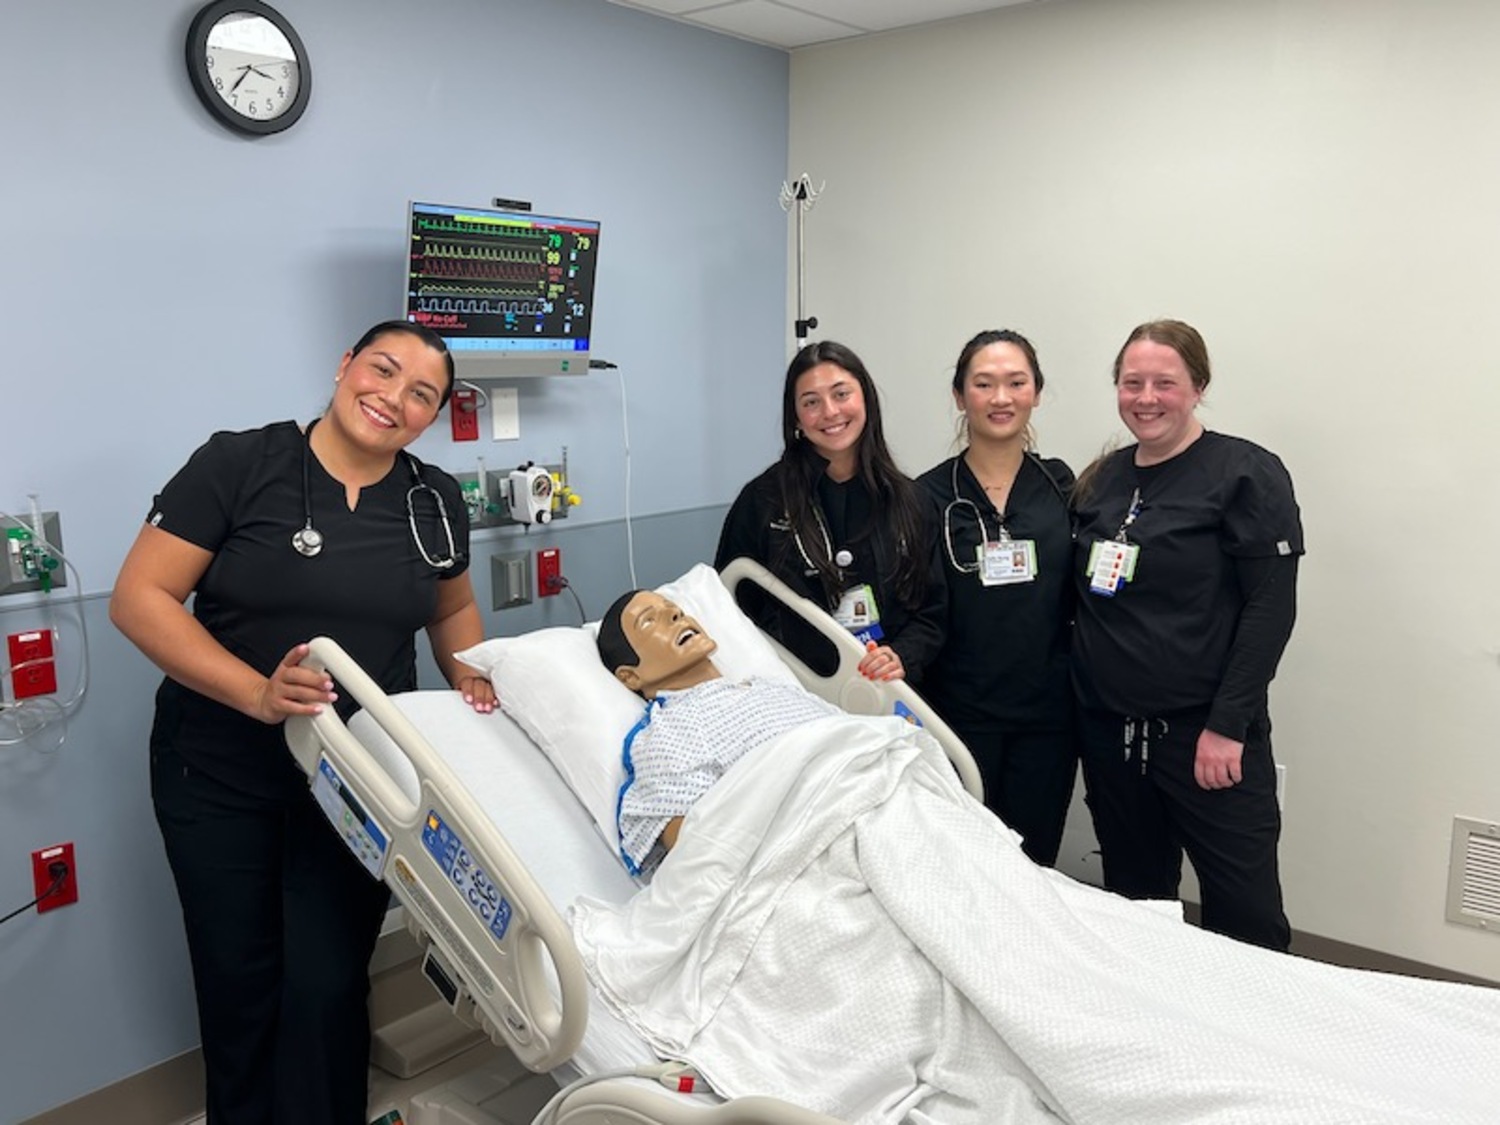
x: 651, y: 645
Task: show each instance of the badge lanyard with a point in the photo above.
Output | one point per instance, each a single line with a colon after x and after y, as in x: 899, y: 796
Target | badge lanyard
x: 857, y: 610
x: 1001, y: 561
x: 1112, y: 561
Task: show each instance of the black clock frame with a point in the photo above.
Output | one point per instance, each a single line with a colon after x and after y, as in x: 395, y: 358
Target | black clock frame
x: 197, y: 51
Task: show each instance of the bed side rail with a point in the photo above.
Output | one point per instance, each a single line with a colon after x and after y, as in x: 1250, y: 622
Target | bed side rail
x: 844, y: 686
x: 494, y: 943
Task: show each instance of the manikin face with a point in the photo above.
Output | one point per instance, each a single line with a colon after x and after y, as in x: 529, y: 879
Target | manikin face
x: 830, y: 411
x: 1156, y: 398
x: 388, y: 393
x: 999, y: 393
x: 672, y: 648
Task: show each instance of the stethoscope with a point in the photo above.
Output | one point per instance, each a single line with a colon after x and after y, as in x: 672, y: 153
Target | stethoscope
x: 308, y: 541
x: 841, y: 558
x: 984, y: 535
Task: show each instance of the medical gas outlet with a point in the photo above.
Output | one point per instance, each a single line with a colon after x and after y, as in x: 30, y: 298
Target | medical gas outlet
x: 536, y: 493
x: 31, y: 560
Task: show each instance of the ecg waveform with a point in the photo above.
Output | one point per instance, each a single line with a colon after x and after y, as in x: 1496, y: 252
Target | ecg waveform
x: 480, y: 305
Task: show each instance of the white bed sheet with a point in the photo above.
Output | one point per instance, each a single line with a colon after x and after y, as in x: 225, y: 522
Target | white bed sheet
x: 531, y: 805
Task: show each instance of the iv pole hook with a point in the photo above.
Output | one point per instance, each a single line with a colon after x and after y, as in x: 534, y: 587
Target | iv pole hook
x: 802, y: 195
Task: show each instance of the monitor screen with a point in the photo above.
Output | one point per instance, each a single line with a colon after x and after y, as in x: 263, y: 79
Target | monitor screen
x: 512, y: 293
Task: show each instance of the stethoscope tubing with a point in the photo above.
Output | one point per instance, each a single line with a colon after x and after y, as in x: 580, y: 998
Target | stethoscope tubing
x: 308, y: 540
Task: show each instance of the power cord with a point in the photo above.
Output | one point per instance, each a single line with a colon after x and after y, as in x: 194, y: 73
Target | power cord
x: 675, y: 1076
x: 59, y: 872
x: 560, y: 582
x: 629, y: 529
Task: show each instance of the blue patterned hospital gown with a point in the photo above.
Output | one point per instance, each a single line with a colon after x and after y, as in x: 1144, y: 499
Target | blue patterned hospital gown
x: 686, y: 742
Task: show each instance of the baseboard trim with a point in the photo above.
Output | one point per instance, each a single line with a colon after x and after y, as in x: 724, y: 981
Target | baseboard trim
x: 169, y: 1093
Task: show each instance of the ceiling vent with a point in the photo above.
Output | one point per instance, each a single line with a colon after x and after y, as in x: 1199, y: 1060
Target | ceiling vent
x: 1474, y: 874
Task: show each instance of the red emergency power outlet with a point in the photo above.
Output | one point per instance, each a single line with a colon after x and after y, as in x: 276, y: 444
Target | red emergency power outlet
x: 549, y: 572
x: 43, y: 875
x: 465, y: 407
x: 34, y: 650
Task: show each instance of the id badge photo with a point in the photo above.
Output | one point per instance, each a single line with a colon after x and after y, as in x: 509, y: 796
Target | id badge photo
x: 1007, y: 561
x: 858, y: 613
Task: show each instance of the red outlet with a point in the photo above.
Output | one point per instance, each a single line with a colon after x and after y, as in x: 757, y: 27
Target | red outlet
x: 45, y: 871
x: 34, y: 650
x: 549, y: 572
x: 465, y: 408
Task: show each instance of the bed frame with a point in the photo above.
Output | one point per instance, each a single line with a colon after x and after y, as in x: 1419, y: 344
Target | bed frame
x: 493, y: 944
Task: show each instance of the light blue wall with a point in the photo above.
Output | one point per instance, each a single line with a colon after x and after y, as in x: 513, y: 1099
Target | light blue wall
x: 166, y: 278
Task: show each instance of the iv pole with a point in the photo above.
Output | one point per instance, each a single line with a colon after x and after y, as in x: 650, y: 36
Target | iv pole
x: 802, y: 195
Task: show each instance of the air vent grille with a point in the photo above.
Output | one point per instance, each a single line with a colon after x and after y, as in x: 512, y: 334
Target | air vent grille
x: 1474, y: 874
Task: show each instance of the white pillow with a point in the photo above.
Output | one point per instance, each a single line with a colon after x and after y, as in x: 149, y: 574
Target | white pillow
x: 553, y: 684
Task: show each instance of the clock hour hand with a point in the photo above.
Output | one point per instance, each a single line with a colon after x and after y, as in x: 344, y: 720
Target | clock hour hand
x: 263, y: 74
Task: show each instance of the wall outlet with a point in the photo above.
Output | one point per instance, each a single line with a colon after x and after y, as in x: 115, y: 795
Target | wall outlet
x: 32, y: 669
x: 548, y: 571
x: 42, y: 877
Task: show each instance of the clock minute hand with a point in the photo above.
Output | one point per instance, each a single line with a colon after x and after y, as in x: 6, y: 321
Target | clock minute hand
x: 244, y: 74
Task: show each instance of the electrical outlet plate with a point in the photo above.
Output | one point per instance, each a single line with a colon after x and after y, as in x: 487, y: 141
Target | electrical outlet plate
x: 32, y: 668
x: 24, y: 563
x: 42, y: 877
x: 548, y: 567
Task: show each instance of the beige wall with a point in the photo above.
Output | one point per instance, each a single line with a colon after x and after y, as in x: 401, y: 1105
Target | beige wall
x: 1316, y: 185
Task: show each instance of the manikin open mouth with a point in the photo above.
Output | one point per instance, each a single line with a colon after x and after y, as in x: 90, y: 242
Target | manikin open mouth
x: 686, y: 635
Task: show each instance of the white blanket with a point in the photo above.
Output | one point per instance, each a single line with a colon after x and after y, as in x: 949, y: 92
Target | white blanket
x: 840, y: 925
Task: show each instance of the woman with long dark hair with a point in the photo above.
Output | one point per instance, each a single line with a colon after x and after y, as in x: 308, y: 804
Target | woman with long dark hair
x: 838, y: 522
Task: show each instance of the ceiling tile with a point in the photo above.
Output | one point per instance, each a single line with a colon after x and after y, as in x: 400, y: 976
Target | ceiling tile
x: 882, y: 15
x: 770, y: 23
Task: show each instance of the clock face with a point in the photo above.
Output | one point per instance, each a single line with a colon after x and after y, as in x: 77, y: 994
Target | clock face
x: 252, y: 66
x: 248, y: 66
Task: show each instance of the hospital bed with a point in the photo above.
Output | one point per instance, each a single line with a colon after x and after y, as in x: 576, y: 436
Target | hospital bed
x: 484, y: 843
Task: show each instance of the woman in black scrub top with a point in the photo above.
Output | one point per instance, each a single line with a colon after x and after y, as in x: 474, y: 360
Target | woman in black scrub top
x: 838, y: 522
x: 1186, y: 566
x: 1001, y: 678
x: 280, y: 534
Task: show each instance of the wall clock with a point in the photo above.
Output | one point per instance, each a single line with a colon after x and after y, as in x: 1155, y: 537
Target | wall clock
x: 248, y: 66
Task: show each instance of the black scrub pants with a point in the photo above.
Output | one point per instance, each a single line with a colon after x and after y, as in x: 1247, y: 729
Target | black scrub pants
x: 1148, y: 809
x: 1028, y: 782
x: 281, y: 921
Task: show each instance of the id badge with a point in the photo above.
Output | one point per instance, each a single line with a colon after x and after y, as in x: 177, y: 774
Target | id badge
x: 1007, y: 561
x: 858, y: 613
x: 1111, y: 565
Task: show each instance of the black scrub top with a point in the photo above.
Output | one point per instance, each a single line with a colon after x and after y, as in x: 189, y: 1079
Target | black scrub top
x: 756, y: 528
x: 240, y: 496
x: 1163, y: 642
x: 1004, y: 665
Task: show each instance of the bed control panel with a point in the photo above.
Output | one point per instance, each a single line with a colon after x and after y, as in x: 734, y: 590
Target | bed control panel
x: 446, y: 848
x: 356, y: 827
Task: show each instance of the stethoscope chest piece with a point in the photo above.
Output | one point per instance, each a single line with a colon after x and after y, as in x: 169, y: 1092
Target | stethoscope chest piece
x: 308, y: 541
x: 844, y: 557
